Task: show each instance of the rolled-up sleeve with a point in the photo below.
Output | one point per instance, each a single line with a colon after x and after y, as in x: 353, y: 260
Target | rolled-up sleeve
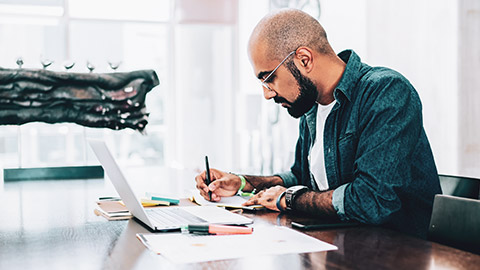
x: 288, y: 178
x: 338, y: 197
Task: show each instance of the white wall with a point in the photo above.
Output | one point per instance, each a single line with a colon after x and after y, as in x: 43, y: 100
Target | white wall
x: 435, y: 44
x: 419, y: 39
x: 469, y: 84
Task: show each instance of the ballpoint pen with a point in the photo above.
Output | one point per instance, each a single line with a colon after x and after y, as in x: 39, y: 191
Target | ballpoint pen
x: 207, y: 172
x: 109, y: 199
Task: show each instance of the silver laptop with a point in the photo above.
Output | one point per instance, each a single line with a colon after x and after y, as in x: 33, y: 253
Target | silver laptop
x: 165, y: 218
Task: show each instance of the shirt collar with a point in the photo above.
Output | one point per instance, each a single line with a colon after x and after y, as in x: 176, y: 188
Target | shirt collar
x: 350, y: 75
x: 312, y: 112
x: 347, y: 82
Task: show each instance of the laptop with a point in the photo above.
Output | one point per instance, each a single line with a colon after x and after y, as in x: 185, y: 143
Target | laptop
x: 165, y: 218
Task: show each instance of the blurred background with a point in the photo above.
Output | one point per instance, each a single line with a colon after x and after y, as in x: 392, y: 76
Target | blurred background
x: 209, y: 101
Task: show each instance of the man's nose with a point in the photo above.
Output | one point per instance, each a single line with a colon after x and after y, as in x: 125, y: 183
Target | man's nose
x: 269, y: 94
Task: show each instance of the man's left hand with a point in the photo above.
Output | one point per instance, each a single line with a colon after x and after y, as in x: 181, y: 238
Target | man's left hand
x: 268, y: 198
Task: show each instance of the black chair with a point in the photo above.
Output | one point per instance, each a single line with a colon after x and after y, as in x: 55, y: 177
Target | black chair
x: 460, y: 186
x: 456, y: 222
x: 456, y: 214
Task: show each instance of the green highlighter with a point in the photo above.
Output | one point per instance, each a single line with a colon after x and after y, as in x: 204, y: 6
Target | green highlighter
x: 246, y: 194
x: 161, y: 197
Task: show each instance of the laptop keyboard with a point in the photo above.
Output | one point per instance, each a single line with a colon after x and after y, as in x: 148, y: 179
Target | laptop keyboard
x: 173, y: 217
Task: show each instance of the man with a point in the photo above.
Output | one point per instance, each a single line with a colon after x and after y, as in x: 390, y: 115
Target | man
x: 362, y: 153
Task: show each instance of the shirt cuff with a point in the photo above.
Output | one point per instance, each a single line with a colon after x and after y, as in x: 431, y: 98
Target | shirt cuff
x: 288, y: 179
x: 338, y: 201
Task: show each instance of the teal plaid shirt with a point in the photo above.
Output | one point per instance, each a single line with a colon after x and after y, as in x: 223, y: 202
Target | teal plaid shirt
x: 377, y: 156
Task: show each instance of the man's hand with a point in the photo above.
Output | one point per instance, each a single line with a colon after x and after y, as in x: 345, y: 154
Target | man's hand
x: 223, y: 184
x: 268, y: 198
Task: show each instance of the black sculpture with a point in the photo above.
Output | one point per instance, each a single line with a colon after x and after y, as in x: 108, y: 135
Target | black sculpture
x: 111, y: 100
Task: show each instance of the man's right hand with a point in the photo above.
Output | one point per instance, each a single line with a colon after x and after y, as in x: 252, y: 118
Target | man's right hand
x: 223, y: 184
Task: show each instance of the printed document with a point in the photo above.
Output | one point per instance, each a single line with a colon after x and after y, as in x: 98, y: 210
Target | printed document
x: 191, y: 248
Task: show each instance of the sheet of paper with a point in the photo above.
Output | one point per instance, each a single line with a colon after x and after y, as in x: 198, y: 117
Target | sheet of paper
x: 191, y: 248
x: 232, y: 202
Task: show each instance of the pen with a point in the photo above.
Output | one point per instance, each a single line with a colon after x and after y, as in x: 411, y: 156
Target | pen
x: 109, y: 199
x: 207, y: 171
x: 219, y: 229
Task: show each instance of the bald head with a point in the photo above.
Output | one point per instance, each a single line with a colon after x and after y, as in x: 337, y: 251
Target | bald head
x: 283, y: 31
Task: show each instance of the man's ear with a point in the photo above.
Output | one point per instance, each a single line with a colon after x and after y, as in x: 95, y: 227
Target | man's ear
x: 304, y: 56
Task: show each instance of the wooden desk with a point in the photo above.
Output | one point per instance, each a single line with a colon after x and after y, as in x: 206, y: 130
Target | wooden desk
x: 51, y: 225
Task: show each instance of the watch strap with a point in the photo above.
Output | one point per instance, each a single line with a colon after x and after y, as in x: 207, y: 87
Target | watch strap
x: 279, y: 205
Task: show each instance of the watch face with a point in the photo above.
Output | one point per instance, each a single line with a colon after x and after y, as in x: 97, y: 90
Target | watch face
x: 291, y: 193
x: 288, y: 198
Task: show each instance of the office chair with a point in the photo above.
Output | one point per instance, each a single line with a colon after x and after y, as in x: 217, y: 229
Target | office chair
x: 456, y: 222
x: 460, y: 186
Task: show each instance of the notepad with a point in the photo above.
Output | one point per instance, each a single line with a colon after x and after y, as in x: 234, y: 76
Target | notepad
x: 112, y: 210
x: 116, y: 210
x: 228, y: 202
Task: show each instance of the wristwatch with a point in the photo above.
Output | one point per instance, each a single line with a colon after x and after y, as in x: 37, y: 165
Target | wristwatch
x: 292, y: 193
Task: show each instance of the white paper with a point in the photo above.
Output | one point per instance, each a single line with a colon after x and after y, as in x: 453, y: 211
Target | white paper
x: 270, y: 240
x: 232, y: 202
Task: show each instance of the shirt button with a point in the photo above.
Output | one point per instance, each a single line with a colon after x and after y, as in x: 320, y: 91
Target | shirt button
x: 329, y: 150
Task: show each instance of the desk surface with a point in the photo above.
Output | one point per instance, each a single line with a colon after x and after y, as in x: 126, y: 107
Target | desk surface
x: 51, y: 225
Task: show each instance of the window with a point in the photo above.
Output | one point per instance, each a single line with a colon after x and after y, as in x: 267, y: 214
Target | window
x: 201, y: 106
x: 134, y: 33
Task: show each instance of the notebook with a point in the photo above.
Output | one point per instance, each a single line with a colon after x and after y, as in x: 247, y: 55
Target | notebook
x: 161, y: 219
x: 228, y: 202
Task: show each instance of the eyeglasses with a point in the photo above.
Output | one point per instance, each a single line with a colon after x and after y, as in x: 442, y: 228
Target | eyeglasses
x: 264, y: 82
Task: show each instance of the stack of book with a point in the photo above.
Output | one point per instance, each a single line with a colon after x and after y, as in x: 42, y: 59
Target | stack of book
x: 112, y: 208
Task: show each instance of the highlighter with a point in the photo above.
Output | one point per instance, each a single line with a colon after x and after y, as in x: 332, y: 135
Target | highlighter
x: 219, y: 229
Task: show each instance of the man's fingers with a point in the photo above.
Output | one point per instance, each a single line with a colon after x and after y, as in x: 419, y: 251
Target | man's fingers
x: 214, y: 185
x: 203, y: 188
x: 215, y: 197
x: 204, y: 194
x: 219, y: 183
x: 266, y: 198
x: 254, y: 200
x: 200, y: 180
x: 223, y: 186
x: 251, y: 201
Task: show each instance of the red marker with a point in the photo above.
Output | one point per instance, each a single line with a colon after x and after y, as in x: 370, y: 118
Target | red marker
x: 219, y: 229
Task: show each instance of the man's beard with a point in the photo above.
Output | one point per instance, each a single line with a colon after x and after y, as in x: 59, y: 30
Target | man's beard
x: 307, y: 97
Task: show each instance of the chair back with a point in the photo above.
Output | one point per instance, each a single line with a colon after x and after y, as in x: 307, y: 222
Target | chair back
x: 456, y: 222
x: 460, y: 186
